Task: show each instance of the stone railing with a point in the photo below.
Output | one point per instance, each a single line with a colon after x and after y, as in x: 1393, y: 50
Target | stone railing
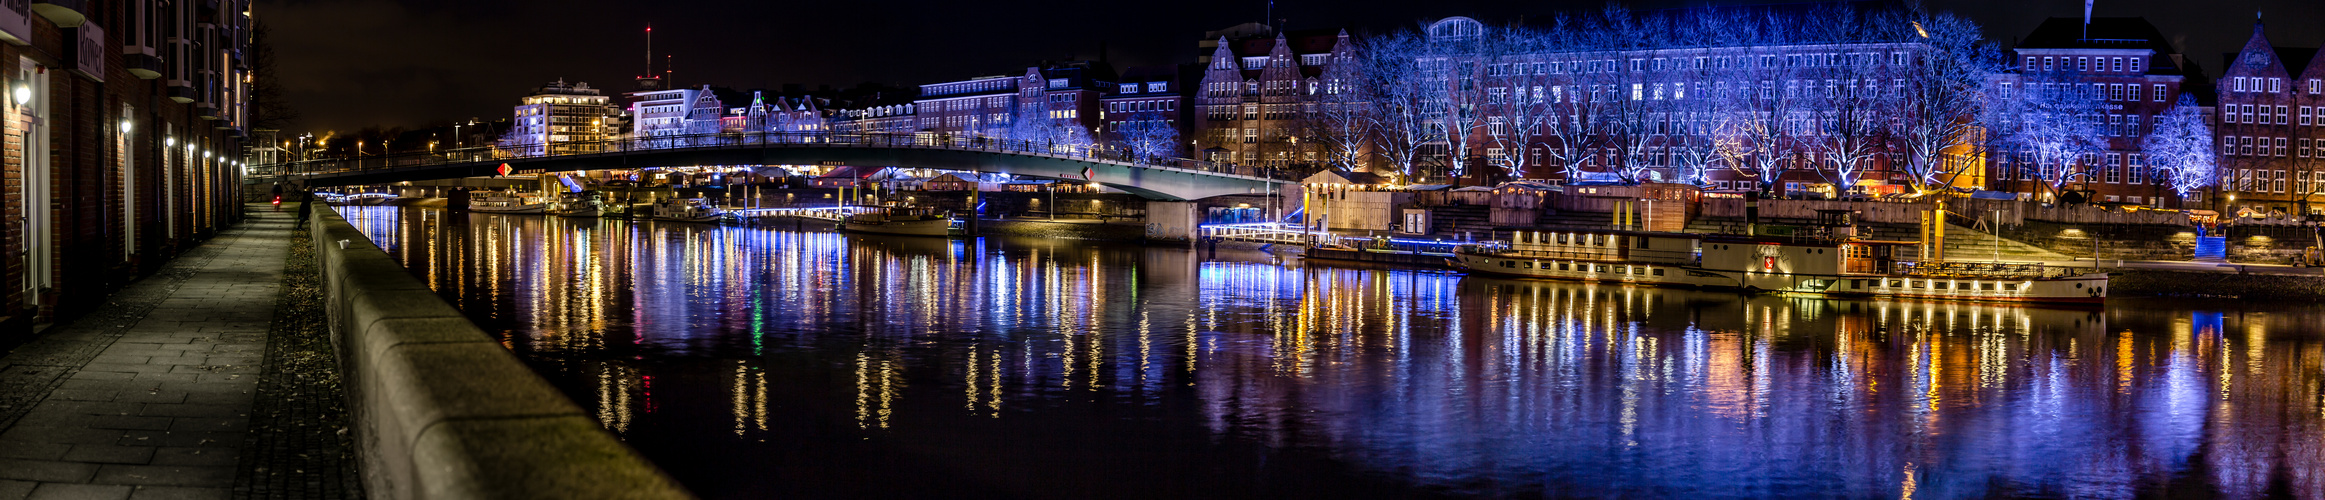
x: 440, y: 409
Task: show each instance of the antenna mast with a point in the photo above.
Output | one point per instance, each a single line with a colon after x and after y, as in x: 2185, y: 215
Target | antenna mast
x: 649, y: 49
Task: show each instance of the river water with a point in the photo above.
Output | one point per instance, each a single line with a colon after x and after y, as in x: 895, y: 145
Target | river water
x: 752, y: 362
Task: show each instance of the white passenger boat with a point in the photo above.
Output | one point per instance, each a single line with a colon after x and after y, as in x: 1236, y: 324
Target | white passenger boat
x: 688, y: 210
x: 899, y: 221
x: 505, y: 202
x: 1839, y: 268
x: 582, y: 204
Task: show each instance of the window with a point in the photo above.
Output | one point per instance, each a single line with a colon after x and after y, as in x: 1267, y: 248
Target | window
x: 2278, y: 184
x: 2276, y: 85
x: 2280, y: 148
x: 2134, y: 173
x: 2304, y: 115
x: 2135, y: 64
x: 1250, y: 135
x: 2159, y: 92
x: 1158, y: 86
x: 2114, y: 168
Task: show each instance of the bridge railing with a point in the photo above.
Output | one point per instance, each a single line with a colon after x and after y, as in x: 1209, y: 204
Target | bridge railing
x: 925, y: 140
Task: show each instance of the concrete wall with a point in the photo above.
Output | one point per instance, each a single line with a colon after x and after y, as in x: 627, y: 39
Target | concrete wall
x: 2112, y: 241
x: 2145, y: 282
x: 1172, y: 221
x: 2262, y: 244
x: 441, y: 410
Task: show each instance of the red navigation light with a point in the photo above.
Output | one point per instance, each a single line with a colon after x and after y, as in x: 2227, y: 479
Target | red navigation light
x: 504, y: 170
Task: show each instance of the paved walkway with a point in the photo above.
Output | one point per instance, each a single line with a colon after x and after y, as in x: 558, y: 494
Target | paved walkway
x: 151, y: 396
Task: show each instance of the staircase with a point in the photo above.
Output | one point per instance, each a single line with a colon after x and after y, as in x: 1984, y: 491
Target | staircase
x: 2212, y: 249
x: 1967, y: 244
x: 1453, y: 221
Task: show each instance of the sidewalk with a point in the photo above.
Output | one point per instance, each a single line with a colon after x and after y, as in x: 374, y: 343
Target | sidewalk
x: 151, y: 397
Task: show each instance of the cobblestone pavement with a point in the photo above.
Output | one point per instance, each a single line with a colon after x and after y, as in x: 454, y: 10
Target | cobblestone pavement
x: 152, y: 396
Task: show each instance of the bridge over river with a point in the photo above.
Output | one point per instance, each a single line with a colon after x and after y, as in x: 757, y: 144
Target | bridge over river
x: 1154, y: 178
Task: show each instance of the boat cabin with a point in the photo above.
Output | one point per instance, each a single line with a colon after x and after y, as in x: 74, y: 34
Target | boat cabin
x: 1783, y: 256
x: 1608, y: 246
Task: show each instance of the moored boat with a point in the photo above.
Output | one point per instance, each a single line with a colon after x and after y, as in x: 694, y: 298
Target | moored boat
x: 1781, y: 265
x: 688, y: 210
x: 505, y: 203
x: 899, y: 221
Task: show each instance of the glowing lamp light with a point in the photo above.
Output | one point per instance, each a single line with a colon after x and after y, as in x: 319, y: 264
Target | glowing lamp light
x: 126, y: 125
x: 169, y: 142
x: 21, y: 94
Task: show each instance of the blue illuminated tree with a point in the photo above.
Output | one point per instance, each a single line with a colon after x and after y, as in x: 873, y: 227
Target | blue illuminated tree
x: 2050, y: 120
x: 2181, y: 143
x: 1149, y: 135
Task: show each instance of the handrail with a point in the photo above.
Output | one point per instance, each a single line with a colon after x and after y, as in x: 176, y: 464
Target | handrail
x: 489, y: 154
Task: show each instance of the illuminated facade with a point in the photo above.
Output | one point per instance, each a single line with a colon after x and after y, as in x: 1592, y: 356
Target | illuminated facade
x: 1260, y: 91
x: 566, y: 119
x: 2133, y: 72
x: 2271, y: 107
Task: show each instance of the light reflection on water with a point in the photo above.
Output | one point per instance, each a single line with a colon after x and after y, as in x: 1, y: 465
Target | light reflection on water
x: 748, y: 361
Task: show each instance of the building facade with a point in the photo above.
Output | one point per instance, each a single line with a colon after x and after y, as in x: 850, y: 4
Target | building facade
x: 2128, y: 73
x: 123, y: 148
x: 565, y: 119
x: 1058, y: 105
x: 2270, y: 109
x: 1259, y: 94
x: 1145, y: 112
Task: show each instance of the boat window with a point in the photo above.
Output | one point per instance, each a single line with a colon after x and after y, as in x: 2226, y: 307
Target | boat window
x: 1894, y: 283
x: 1938, y: 285
x: 1658, y: 271
x: 1642, y: 242
x: 1985, y: 286
x: 1561, y: 238
x: 1561, y: 266
x: 1602, y: 269
x: 1913, y: 283
x: 1509, y: 264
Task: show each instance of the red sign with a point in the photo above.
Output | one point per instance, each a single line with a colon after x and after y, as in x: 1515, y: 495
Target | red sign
x: 1768, y: 264
x: 504, y: 170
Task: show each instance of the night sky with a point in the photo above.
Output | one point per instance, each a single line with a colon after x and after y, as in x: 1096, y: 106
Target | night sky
x: 351, y: 63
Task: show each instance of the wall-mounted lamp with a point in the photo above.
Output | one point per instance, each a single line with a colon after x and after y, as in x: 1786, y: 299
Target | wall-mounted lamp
x: 169, y: 142
x: 126, y: 125
x: 22, y: 94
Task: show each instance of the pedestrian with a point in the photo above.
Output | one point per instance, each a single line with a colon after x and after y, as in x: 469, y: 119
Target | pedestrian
x: 306, y: 208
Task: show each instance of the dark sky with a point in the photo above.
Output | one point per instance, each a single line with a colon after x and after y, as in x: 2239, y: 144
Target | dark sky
x: 351, y: 63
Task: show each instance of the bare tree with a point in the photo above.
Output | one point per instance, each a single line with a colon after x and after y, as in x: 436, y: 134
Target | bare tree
x: 2181, y: 144
x: 1148, y: 135
x: 1944, y: 94
x: 1399, y: 96
x: 2049, y: 124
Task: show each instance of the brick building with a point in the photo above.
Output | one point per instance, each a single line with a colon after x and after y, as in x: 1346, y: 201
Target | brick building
x: 1257, y: 94
x: 2124, y: 62
x: 1057, y: 104
x: 124, y: 145
x: 2271, y: 106
x: 1147, y: 106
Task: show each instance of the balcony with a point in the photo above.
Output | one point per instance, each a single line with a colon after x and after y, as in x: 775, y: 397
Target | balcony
x: 141, y: 62
x: 65, y: 13
x: 181, y: 91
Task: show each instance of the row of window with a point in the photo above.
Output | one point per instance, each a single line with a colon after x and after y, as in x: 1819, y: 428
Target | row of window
x: 2270, y: 181
x: 2121, y: 92
x: 1136, y: 106
x: 2086, y: 64
x: 2264, y: 114
x: 2271, y: 85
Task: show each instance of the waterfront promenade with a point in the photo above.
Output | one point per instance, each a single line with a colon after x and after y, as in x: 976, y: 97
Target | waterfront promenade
x: 168, y: 390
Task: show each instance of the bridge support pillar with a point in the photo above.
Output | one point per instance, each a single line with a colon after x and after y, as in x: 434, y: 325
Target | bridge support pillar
x: 1172, y: 221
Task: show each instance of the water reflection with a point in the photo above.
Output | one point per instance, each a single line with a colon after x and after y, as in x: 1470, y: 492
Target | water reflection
x: 749, y: 361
